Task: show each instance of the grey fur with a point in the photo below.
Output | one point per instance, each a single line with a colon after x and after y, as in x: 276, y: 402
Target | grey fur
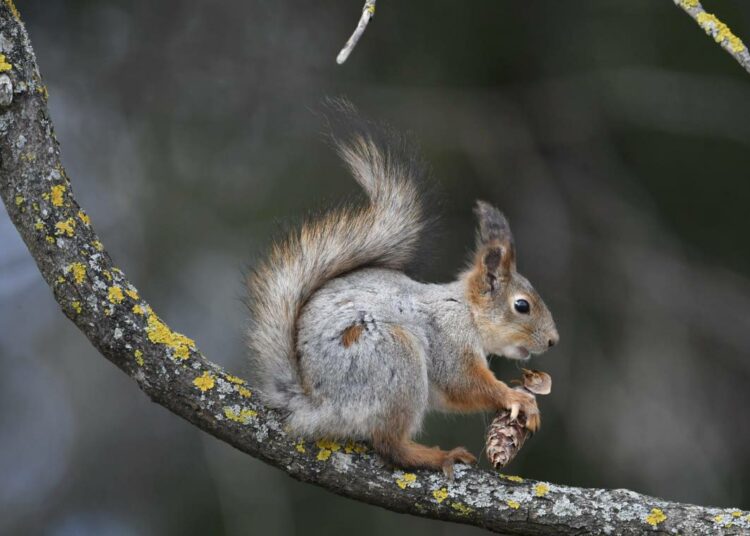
x: 360, y: 388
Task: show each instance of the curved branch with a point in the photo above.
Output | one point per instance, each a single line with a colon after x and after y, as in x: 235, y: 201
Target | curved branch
x: 718, y: 30
x: 107, y: 308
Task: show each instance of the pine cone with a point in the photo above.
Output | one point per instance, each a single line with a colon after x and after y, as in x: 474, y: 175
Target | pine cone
x: 505, y: 437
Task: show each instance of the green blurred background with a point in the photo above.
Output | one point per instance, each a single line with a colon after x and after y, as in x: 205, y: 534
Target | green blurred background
x: 614, y: 134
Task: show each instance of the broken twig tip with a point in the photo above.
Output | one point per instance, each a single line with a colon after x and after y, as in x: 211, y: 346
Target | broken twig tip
x: 367, y: 13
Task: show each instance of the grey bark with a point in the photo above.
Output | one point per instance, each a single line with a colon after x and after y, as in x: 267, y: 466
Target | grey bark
x: 169, y: 368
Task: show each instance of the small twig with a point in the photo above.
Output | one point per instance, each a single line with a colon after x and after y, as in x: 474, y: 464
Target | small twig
x: 718, y: 30
x: 367, y: 13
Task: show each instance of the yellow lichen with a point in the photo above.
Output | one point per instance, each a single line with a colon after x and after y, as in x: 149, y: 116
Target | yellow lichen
x: 138, y: 357
x: 49, y: 239
x: 43, y: 91
x: 76, y: 305
x: 512, y: 478
x: 406, y: 481
x: 84, y: 217
x: 244, y: 392
x: 13, y: 9
x: 351, y: 446
x: 137, y: 309
x: 66, y: 227
x: 440, y: 494
x: 690, y: 3
x: 300, y: 447
x: 205, y: 382
x: 115, y: 295
x: 39, y: 225
x: 235, y: 379
x: 719, y: 518
x: 655, y: 517
x: 328, y: 444
x: 56, y: 195
x: 541, y: 489
x: 78, y: 270
x: 98, y: 245
x: 513, y: 504
x: 719, y: 31
x: 736, y: 513
x: 132, y: 294
x: 462, y: 508
x: 242, y: 417
x: 159, y: 333
x: 4, y: 65
x: 326, y: 447
x: 19, y: 200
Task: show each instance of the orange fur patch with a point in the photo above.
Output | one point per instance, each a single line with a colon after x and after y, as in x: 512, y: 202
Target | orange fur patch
x: 479, y: 390
x: 402, y: 335
x: 475, y: 288
x: 351, y: 335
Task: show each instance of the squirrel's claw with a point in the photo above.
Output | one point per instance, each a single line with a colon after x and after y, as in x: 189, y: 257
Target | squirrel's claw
x: 515, y: 408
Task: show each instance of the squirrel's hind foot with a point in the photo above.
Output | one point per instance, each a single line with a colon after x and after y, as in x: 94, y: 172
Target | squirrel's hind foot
x: 458, y: 454
x: 407, y: 454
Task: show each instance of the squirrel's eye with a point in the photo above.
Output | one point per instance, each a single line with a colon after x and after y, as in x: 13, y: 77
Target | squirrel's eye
x: 522, y: 306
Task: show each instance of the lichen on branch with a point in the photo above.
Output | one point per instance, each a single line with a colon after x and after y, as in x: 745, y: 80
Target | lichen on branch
x: 718, y: 30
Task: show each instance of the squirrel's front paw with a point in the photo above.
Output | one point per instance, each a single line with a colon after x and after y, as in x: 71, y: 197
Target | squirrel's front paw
x: 525, y: 404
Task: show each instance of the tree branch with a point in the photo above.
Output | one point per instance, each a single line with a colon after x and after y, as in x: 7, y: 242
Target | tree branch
x: 718, y: 30
x: 368, y: 12
x: 98, y: 298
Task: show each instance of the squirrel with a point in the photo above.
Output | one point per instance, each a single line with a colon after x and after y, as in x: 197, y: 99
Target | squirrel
x: 349, y: 347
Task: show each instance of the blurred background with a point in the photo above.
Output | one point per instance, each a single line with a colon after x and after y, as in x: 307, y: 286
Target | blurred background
x: 614, y: 134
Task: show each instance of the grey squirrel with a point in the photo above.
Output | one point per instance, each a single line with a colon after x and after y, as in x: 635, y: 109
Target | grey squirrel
x: 349, y: 347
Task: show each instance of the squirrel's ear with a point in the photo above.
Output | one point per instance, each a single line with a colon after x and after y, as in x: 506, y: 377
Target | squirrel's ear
x: 496, y: 252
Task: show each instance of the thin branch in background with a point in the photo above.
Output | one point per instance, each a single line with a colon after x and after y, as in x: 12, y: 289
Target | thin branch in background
x: 718, y: 30
x: 367, y: 13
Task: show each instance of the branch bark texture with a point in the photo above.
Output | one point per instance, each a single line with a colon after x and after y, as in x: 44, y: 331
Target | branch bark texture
x: 721, y: 33
x: 99, y: 299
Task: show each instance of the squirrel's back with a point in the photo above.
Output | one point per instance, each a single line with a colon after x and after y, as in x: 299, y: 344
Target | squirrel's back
x: 383, y: 233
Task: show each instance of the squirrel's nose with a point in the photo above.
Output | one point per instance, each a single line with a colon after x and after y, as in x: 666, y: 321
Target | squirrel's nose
x: 553, y: 339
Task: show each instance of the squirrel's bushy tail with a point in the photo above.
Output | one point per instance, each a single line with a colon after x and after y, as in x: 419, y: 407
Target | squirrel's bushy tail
x: 384, y: 233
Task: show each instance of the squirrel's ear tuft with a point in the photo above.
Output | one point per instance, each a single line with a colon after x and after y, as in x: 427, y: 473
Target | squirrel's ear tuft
x: 493, y: 226
x: 495, y: 241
